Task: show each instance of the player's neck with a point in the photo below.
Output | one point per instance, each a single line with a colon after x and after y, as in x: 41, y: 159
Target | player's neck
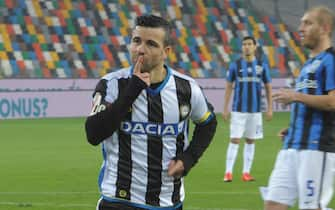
x: 158, y: 74
x: 249, y: 58
x: 322, y: 46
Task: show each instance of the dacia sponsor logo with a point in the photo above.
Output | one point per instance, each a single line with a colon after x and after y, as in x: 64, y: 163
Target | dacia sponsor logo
x: 157, y: 129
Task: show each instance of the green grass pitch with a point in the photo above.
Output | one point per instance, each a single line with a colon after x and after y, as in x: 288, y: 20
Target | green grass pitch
x: 46, y: 164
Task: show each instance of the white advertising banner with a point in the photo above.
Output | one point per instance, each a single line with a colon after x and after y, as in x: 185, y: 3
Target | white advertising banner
x: 38, y: 98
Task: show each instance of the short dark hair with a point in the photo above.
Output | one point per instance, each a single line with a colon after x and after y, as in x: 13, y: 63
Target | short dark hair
x: 250, y: 38
x: 156, y: 22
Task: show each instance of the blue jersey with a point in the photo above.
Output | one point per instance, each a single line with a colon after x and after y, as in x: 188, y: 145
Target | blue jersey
x: 248, y: 78
x: 311, y: 128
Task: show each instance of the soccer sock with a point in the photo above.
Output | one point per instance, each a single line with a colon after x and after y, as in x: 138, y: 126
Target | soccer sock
x: 231, y: 157
x: 248, y: 157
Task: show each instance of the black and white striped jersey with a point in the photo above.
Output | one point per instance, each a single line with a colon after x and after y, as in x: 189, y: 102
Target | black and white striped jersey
x: 155, y: 130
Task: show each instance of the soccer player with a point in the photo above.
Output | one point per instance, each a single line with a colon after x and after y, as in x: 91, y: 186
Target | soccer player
x: 305, y: 166
x: 141, y: 116
x: 247, y: 74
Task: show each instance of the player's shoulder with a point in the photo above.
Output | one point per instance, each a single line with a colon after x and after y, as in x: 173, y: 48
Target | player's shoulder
x: 234, y: 64
x: 186, y: 80
x: 181, y: 76
x: 331, y: 51
x: 327, y: 58
x: 118, y: 74
x: 330, y: 54
x: 110, y: 79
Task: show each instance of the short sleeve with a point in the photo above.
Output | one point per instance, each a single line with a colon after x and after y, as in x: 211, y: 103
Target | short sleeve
x: 266, y: 77
x: 200, y: 113
x: 231, y: 73
x: 112, y: 90
x: 330, y: 73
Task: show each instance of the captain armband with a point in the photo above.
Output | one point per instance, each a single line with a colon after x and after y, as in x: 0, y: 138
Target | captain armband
x: 98, y: 104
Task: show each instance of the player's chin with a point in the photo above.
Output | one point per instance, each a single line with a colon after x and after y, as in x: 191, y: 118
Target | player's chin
x: 305, y: 43
x: 146, y: 68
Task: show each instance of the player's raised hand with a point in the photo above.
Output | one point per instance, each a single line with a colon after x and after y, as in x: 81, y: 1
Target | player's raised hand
x: 145, y: 76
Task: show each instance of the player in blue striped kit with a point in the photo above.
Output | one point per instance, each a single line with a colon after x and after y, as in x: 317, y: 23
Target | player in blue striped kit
x: 305, y: 167
x: 247, y: 74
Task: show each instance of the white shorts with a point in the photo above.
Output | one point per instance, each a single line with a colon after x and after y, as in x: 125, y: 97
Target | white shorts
x: 247, y: 125
x: 304, y: 174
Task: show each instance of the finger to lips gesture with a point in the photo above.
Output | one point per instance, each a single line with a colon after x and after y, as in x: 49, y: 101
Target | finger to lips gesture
x: 144, y: 76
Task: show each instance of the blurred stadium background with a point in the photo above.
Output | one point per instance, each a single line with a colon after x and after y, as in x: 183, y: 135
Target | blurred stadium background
x: 52, y: 53
x: 86, y: 39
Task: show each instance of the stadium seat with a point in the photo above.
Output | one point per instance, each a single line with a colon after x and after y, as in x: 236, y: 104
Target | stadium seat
x: 45, y: 39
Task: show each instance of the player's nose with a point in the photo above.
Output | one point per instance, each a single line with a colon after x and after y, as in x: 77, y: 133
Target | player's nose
x: 140, y: 49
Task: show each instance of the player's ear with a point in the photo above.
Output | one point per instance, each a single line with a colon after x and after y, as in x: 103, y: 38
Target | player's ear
x: 167, y: 50
x: 326, y: 28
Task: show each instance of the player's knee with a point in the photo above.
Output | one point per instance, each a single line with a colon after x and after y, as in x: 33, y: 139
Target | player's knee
x: 250, y: 141
x: 272, y: 205
x: 235, y: 141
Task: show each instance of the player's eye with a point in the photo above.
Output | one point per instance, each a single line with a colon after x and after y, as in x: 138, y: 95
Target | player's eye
x: 307, y: 22
x: 152, y: 44
x: 136, y: 40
